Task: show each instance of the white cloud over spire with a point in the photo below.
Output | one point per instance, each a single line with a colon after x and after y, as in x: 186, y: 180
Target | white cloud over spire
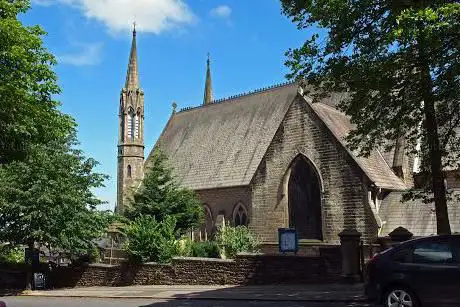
x: 153, y: 16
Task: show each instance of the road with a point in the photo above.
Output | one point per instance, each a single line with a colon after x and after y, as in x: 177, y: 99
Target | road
x: 88, y: 302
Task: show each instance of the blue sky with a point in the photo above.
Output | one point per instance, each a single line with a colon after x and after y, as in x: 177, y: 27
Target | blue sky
x: 91, y: 40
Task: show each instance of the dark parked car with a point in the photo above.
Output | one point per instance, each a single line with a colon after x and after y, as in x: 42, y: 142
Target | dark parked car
x: 419, y: 272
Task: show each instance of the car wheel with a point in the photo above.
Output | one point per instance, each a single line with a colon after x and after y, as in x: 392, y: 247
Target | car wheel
x: 398, y: 296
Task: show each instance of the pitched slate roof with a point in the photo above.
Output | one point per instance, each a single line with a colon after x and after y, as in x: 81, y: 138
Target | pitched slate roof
x: 222, y: 144
x: 417, y: 217
x: 375, y: 166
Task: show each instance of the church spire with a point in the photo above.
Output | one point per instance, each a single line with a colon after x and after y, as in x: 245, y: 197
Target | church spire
x: 132, y: 76
x: 208, y: 85
x: 131, y: 133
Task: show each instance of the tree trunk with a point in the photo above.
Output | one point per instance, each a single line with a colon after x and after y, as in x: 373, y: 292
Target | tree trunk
x: 431, y: 126
x: 29, y: 262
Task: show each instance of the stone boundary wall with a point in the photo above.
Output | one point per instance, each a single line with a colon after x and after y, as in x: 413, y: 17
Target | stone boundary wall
x: 245, y: 269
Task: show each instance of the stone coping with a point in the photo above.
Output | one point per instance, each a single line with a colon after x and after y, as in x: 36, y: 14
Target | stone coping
x: 306, y: 242
x: 201, y: 259
x: 204, y: 259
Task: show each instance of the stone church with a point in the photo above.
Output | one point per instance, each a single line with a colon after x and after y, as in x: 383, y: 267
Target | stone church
x: 271, y: 159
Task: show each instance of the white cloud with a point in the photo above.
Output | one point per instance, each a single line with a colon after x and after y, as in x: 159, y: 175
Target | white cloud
x: 89, y: 54
x: 221, y: 11
x: 154, y: 16
x: 43, y: 2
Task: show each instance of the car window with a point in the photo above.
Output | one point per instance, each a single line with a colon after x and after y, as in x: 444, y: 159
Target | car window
x: 403, y: 255
x: 457, y: 248
x: 432, y: 252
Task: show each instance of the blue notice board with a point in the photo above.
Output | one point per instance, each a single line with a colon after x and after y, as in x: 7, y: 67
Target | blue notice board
x: 288, y: 241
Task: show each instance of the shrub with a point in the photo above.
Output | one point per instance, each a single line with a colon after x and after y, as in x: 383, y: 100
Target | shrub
x: 207, y: 249
x: 184, y: 247
x: 150, y: 240
x: 9, y: 254
x: 92, y: 255
x: 234, y: 240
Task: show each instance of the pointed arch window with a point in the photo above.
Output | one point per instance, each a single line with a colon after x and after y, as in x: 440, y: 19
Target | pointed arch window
x: 131, y: 123
x: 304, y: 199
x: 122, y: 122
x: 240, y: 215
x: 136, y: 126
x: 129, y: 171
x: 206, y: 228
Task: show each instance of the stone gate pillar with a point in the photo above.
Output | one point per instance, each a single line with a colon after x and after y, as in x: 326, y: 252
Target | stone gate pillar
x: 349, y: 241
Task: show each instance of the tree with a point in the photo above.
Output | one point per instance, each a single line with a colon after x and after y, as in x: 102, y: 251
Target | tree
x: 150, y: 240
x: 28, y: 114
x: 48, y: 200
x: 399, y: 61
x: 160, y: 196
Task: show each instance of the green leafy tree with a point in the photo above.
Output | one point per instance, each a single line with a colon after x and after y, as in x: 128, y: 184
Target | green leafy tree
x: 161, y: 196
x: 48, y: 200
x: 151, y: 240
x: 28, y: 114
x: 399, y: 61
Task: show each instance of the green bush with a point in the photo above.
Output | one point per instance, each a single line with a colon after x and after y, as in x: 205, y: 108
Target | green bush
x: 206, y: 249
x: 184, y: 247
x: 10, y: 254
x: 151, y: 241
x: 234, y: 240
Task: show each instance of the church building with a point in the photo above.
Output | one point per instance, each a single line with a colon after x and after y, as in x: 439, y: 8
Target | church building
x: 272, y: 158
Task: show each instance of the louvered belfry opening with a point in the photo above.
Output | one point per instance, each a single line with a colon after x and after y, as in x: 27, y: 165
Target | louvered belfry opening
x: 305, y: 200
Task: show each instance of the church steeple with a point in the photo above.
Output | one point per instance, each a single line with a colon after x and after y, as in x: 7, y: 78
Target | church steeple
x: 132, y: 76
x: 208, y: 85
x: 131, y: 133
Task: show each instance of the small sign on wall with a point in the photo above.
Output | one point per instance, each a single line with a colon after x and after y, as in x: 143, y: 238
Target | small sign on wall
x: 288, y: 241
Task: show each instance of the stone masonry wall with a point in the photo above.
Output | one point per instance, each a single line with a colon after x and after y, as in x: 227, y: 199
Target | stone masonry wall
x: 344, y: 201
x: 245, y: 269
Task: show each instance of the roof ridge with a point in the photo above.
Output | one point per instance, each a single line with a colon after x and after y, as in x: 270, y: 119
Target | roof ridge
x: 244, y: 94
x: 331, y: 108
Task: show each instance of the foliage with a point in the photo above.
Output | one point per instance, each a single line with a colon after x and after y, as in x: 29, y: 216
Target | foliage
x: 184, y: 247
x: 149, y: 240
x: 206, y: 249
x: 10, y: 254
x: 48, y: 199
x: 92, y: 255
x: 28, y: 114
x: 399, y: 63
x: 160, y: 196
x: 233, y: 240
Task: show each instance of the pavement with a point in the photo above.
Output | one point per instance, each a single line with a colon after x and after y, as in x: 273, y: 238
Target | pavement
x: 33, y: 301
x: 340, y: 293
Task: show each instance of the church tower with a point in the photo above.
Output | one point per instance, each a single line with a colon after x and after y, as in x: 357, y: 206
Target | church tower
x: 131, y: 133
